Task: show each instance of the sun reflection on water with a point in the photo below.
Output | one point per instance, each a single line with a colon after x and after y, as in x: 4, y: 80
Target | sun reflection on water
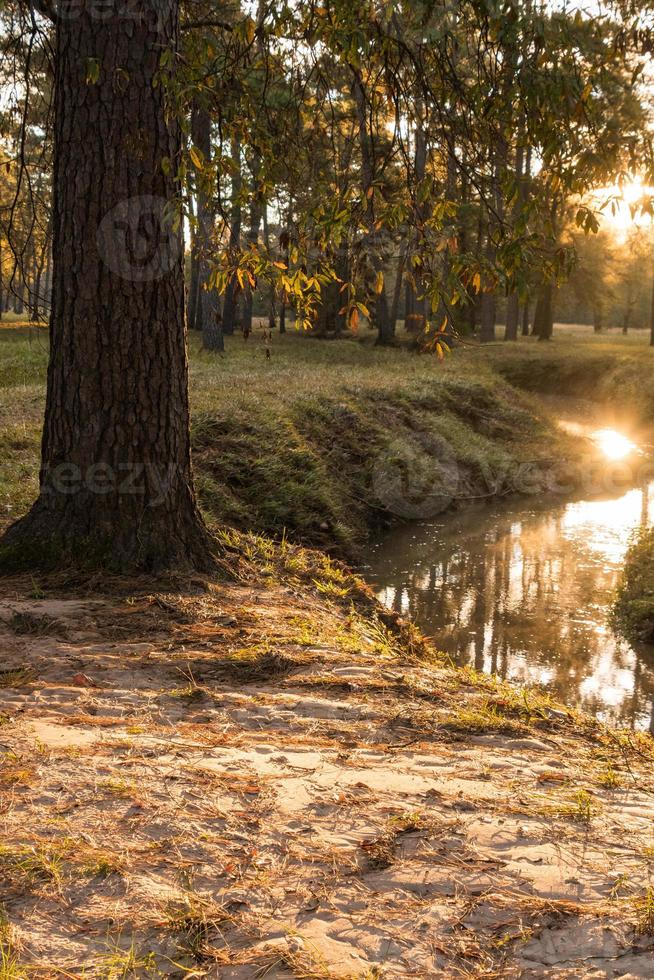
x: 525, y: 591
x: 614, y: 444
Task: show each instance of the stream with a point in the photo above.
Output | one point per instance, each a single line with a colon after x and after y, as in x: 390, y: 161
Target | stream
x: 524, y: 589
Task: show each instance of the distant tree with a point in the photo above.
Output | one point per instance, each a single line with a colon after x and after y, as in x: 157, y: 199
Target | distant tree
x: 594, y: 277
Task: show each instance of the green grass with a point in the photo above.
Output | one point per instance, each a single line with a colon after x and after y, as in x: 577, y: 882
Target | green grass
x: 330, y: 438
x: 29, y: 866
x: 607, y: 368
x: 645, y: 914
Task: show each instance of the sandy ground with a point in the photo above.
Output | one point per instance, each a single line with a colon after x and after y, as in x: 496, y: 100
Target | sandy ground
x: 257, y: 782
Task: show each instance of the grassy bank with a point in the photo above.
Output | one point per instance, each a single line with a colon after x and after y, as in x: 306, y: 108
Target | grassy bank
x: 612, y: 370
x: 327, y: 439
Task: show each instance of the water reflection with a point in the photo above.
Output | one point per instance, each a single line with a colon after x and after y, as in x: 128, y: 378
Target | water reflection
x: 525, y: 592
x: 613, y: 444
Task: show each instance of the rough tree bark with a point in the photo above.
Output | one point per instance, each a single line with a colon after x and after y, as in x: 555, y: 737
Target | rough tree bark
x: 115, y: 483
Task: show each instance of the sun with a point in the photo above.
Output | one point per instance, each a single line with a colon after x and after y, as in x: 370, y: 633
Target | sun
x: 620, y: 205
x: 613, y: 444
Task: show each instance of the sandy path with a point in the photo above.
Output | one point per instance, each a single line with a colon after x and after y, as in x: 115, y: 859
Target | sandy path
x: 251, y: 782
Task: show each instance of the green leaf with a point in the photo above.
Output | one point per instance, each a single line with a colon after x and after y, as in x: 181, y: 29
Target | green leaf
x: 92, y: 71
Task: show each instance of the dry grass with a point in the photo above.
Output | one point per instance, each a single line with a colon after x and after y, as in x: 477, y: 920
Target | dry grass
x: 271, y: 764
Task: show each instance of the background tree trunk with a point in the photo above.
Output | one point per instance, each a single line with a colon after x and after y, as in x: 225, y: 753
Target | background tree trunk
x: 512, y: 317
x: 193, y: 279
x: 488, y: 313
x: 418, y: 302
x: 409, y: 300
x: 544, y: 313
x: 513, y: 301
x: 206, y: 301
x: 256, y: 210
x: 115, y: 482
x: 378, y: 301
x: 285, y: 243
x: 489, y: 300
x: 19, y: 296
x: 230, y: 304
x: 397, y: 288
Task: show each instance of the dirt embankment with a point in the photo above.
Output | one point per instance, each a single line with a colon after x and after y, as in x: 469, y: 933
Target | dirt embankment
x: 272, y: 777
x: 338, y: 465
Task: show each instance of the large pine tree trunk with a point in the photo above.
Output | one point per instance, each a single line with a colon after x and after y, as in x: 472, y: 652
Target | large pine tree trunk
x: 115, y: 482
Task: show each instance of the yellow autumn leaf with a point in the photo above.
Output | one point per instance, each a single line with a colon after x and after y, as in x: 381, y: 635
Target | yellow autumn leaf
x: 197, y: 157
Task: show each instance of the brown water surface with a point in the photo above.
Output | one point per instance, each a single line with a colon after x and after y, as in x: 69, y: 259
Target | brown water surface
x: 524, y: 590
